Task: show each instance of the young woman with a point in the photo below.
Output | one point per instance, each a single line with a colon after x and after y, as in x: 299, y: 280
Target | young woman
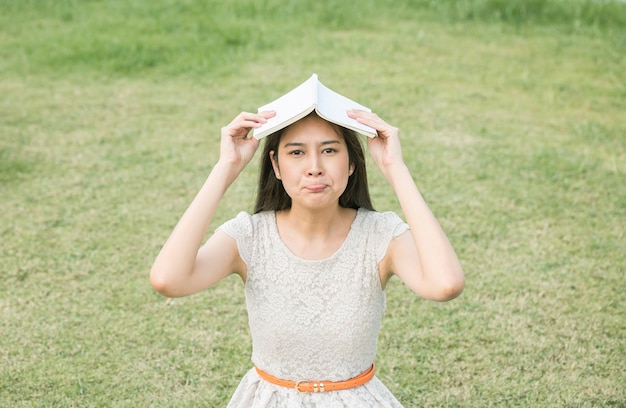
x: 314, y: 257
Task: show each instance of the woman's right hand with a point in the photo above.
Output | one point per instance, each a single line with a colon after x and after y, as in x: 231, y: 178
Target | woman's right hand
x: 236, y: 148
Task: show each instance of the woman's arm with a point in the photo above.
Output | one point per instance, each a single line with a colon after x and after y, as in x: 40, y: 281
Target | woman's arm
x: 424, y: 258
x: 182, y: 266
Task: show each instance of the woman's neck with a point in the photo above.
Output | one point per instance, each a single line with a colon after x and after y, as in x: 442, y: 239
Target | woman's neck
x: 314, y: 235
x: 316, y: 223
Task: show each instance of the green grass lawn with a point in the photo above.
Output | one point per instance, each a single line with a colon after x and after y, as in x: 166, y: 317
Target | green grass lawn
x: 513, y: 118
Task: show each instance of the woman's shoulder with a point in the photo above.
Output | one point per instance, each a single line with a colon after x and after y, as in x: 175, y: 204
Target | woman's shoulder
x: 378, y: 229
x: 245, y: 224
x: 381, y: 220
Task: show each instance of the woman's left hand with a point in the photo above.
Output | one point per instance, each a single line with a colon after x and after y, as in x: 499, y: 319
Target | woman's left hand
x: 385, y: 149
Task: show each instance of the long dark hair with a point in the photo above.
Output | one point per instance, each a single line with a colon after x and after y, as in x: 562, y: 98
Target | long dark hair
x: 271, y: 195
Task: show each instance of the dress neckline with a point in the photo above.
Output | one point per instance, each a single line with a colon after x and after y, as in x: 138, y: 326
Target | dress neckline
x: 289, y: 252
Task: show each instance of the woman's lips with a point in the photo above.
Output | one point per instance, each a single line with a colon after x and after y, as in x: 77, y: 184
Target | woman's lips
x: 315, y: 188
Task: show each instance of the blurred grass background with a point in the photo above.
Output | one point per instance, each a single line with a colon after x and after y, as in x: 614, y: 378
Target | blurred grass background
x: 512, y: 116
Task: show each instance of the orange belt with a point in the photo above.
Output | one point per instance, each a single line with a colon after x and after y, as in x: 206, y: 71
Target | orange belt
x: 321, y: 386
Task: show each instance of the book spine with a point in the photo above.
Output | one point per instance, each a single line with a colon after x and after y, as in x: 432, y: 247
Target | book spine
x: 316, y: 87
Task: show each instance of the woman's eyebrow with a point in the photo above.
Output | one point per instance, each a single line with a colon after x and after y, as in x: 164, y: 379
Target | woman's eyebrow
x: 300, y: 144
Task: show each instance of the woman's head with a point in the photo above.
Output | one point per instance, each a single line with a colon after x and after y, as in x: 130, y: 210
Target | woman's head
x: 272, y: 195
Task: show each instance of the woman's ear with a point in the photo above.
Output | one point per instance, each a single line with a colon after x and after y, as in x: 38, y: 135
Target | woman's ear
x: 351, y: 169
x: 274, y: 160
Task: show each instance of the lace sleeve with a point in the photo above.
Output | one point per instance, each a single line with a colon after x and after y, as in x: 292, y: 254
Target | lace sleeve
x: 388, y: 226
x: 240, y: 228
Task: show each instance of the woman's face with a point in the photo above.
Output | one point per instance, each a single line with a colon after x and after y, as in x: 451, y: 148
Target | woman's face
x: 312, y: 163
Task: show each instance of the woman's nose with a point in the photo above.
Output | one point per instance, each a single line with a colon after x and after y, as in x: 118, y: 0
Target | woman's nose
x: 315, y: 168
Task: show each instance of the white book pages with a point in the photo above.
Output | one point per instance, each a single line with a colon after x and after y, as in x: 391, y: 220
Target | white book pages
x: 302, y: 100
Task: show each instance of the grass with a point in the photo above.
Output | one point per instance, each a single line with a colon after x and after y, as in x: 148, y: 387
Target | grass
x: 513, y: 124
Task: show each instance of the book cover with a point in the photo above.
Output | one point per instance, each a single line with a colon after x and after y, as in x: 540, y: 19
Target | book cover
x: 305, y: 98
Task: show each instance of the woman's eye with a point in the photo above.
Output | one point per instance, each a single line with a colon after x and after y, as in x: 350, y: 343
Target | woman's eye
x: 296, y: 152
x: 329, y: 150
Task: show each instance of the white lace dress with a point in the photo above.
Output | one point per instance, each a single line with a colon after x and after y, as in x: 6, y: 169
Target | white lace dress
x: 313, y: 319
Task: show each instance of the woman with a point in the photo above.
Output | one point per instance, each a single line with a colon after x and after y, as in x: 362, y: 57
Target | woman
x: 315, y: 258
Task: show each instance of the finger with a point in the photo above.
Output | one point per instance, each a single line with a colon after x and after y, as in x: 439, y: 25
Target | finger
x: 365, y: 117
x: 359, y: 114
x: 248, y: 117
x: 372, y: 120
x: 267, y: 114
x: 246, y: 121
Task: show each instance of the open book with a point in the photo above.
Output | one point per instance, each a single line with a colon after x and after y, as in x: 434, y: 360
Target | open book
x: 302, y: 100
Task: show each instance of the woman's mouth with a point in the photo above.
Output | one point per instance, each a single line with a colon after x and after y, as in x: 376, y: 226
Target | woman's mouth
x: 316, y: 188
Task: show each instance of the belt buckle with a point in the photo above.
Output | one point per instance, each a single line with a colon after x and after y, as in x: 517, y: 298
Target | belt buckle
x: 317, y: 387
